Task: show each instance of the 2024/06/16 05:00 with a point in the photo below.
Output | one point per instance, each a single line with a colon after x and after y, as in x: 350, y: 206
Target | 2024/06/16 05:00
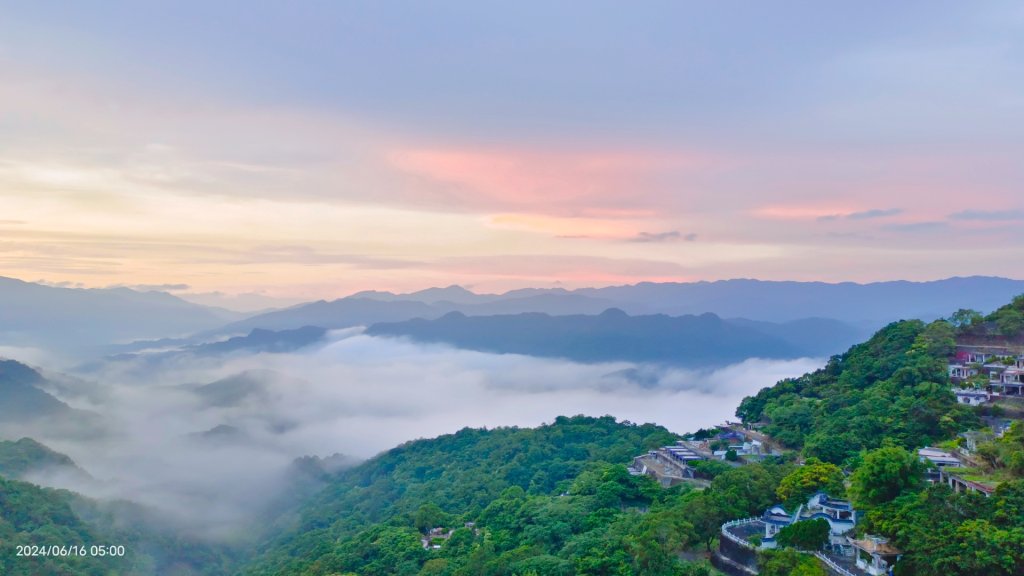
x: 73, y: 550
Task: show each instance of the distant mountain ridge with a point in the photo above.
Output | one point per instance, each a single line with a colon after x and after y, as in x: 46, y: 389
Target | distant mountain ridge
x: 867, y: 306
x: 613, y: 335
x: 73, y: 320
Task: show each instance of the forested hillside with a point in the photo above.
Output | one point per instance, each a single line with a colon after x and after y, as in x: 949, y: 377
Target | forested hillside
x: 21, y: 457
x: 76, y: 533
x: 447, y: 481
x: 893, y: 388
x: 71, y: 535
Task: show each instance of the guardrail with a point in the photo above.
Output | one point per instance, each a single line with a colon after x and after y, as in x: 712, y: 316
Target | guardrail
x: 735, y: 565
x: 735, y: 538
x: 831, y: 564
x: 741, y: 542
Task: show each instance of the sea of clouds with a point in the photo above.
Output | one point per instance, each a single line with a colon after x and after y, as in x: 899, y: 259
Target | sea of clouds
x: 356, y: 395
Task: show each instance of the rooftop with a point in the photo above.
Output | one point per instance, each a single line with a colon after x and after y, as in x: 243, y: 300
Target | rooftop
x: 879, y: 546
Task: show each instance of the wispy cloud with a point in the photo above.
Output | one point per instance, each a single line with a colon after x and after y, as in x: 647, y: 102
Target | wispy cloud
x: 913, y: 227
x: 61, y: 284
x: 872, y: 214
x: 670, y: 236
x: 989, y: 215
x: 155, y: 287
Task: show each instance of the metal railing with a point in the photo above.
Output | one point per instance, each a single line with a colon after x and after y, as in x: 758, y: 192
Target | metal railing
x: 832, y: 564
x: 734, y: 538
x: 741, y: 542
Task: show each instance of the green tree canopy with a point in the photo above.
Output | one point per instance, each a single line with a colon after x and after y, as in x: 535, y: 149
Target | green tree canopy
x: 884, y: 474
x: 813, y: 476
x: 805, y: 535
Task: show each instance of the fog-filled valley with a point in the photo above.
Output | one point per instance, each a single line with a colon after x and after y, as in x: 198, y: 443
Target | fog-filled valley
x: 206, y: 439
x: 211, y: 451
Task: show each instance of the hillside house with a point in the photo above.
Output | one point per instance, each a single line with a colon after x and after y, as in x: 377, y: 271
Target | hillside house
x: 959, y: 373
x: 936, y: 458
x: 875, y: 555
x: 974, y: 438
x: 953, y: 477
x: 972, y: 397
x: 839, y: 514
x: 669, y: 465
x: 749, y: 448
x: 729, y: 437
x: 1010, y: 381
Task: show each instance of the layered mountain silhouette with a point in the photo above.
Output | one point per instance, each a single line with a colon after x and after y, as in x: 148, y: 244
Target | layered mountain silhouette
x: 866, y: 306
x: 21, y: 397
x: 73, y: 320
x: 609, y: 336
x: 26, y: 405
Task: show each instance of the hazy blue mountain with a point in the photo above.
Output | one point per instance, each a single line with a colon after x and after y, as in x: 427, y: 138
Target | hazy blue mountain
x: 222, y: 434
x: 451, y: 294
x: 612, y: 335
x: 865, y: 306
x: 341, y: 313
x: 554, y: 303
x: 875, y: 303
x: 816, y: 337
x: 77, y: 320
x: 21, y: 399
x: 28, y: 409
x: 25, y: 456
x: 236, y: 389
x: 262, y: 340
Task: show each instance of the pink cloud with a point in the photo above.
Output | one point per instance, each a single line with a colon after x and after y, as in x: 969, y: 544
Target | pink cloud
x: 575, y: 270
x: 606, y: 184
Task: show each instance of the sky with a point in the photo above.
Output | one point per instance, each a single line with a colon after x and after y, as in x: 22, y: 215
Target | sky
x: 310, y: 150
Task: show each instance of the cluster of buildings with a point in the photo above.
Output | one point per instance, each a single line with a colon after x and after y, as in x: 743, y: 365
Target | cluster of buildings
x: 672, y: 465
x: 840, y: 515
x: 434, y: 537
x: 980, y: 372
x: 669, y: 465
x: 844, y: 554
x: 736, y: 442
x: 949, y: 468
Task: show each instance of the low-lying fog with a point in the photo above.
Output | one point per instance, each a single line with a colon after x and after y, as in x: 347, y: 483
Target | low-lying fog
x: 358, y: 395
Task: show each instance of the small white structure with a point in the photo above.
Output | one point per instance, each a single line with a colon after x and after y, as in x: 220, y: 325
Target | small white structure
x: 875, y: 555
x: 936, y: 458
x: 972, y: 397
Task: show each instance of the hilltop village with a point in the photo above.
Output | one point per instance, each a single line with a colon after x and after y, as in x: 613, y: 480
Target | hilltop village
x: 984, y: 363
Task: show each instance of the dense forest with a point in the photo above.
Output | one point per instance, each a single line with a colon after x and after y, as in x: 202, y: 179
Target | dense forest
x: 868, y: 410
x: 1006, y: 321
x: 891, y: 389
x: 460, y: 474
x: 547, y: 501
x: 69, y: 525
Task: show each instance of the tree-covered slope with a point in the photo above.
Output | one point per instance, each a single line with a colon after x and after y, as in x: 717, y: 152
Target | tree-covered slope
x: 20, y: 396
x: 34, y: 516
x: 893, y: 388
x: 461, y: 473
x: 73, y: 536
x: 26, y: 455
